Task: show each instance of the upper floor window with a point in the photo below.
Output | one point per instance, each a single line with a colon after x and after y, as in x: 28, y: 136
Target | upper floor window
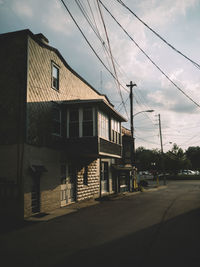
x: 103, y: 125
x: 55, y: 76
x: 87, y: 122
x: 115, y: 131
x: 56, y: 121
x: 81, y: 122
x: 74, y: 122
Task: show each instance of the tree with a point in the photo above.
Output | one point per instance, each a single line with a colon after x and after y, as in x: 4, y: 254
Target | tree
x: 145, y: 159
x: 193, y: 154
x: 176, y: 160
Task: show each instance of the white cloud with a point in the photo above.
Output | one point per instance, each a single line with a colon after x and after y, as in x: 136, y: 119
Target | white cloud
x: 23, y: 8
x: 57, y: 19
x: 164, y: 12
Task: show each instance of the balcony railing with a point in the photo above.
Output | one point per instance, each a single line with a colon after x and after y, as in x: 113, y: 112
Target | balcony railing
x: 92, y: 147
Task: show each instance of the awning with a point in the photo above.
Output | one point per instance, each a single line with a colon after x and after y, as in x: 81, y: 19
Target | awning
x: 126, y: 167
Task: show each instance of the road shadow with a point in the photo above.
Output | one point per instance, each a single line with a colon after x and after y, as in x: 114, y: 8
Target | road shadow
x: 8, y: 226
x: 174, y: 242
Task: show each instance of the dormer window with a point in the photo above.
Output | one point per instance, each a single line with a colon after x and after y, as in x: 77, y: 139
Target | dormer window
x: 55, y: 76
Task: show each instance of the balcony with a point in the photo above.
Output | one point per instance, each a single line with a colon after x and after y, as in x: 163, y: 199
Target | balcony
x: 92, y: 147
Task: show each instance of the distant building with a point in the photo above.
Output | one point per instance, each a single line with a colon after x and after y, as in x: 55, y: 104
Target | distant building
x: 123, y: 167
x: 58, y: 135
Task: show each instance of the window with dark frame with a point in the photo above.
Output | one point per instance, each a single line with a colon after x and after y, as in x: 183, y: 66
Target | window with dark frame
x: 115, y: 132
x: 87, y: 122
x: 103, y: 125
x: 55, y: 77
x: 74, y: 123
x: 56, y: 121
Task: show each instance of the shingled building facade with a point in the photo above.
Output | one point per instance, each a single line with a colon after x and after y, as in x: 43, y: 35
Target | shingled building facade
x: 58, y: 134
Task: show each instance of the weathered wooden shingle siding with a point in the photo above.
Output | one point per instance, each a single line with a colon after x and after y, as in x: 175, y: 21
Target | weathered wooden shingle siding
x: 41, y: 97
x: 40, y: 94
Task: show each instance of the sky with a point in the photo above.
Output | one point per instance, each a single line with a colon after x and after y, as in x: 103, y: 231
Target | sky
x: 177, y: 21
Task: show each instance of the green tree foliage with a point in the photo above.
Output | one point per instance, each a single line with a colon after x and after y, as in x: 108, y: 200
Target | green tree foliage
x: 193, y: 154
x: 176, y: 159
x: 147, y: 159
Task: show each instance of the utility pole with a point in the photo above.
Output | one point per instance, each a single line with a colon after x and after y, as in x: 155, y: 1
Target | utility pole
x: 161, y: 144
x: 131, y: 85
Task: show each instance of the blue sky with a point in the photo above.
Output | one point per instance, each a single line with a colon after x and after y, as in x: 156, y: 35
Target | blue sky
x: 177, y: 21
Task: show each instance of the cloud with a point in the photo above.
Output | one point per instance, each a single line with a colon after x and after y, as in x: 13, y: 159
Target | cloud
x: 161, y: 13
x: 57, y: 19
x: 23, y: 8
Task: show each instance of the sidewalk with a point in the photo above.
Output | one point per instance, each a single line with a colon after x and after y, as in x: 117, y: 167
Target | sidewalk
x: 74, y: 207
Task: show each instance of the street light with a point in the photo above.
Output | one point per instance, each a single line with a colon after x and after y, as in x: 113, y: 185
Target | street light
x: 149, y: 110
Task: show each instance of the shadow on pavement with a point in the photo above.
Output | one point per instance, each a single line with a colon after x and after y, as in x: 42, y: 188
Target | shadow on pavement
x: 8, y: 226
x: 174, y: 242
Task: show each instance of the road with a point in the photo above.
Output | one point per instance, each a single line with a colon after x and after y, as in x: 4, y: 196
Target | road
x: 154, y: 228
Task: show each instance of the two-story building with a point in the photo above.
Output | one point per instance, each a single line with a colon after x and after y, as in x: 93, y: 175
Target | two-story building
x: 58, y: 134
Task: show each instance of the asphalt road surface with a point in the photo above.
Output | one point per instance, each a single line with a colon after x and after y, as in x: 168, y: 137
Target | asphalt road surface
x: 154, y: 228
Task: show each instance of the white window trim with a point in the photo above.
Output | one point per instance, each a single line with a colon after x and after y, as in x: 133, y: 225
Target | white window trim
x: 53, y: 64
x: 80, y: 110
x: 100, y: 113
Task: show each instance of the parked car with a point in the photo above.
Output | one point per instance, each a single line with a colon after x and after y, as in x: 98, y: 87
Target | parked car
x: 187, y: 172
x: 146, y: 175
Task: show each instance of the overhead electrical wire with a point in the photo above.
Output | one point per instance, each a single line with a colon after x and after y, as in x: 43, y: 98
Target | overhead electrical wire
x: 96, y: 31
x: 108, y: 52
x: 87, y: 39
x: 158, y: 35
x: 146, y: 140
x: 94, y: 28
x: 111, y: 56
x: 168, y: 78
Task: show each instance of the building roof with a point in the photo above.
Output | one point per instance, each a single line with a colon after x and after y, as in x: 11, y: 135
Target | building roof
x: 43, y: 41
x: 101, y: 102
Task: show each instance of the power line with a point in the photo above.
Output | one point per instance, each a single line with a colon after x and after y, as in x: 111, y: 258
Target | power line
x: 97, y: 33
x: 146, y: 140
x: 159, y: 36
x: 87, y: 39
x: 168, y: 78
x: 111, y: 56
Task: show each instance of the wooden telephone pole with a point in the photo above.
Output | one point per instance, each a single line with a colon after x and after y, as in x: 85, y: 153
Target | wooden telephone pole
x: 162, y: 154
x: 131, y: 85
